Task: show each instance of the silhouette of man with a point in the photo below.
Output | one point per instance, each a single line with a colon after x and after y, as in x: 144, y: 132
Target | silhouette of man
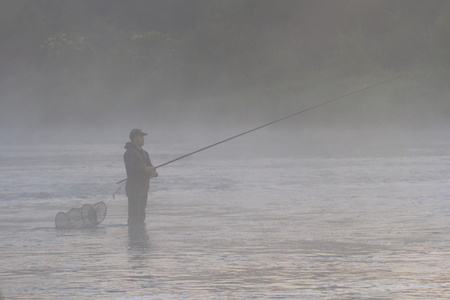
x: 139, y: 171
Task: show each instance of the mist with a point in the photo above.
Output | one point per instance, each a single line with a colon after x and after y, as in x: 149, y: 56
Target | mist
x: 202, y: 71
x: 345, y: 199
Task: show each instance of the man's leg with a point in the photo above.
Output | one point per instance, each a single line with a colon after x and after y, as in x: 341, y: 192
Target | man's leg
x: 142, y: 206
x: 133, y: 210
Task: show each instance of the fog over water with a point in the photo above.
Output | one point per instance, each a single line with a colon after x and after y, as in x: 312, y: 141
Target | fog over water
x: 372, y: 119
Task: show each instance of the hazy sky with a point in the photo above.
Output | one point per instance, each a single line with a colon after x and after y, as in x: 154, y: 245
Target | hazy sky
x: 101, y: 66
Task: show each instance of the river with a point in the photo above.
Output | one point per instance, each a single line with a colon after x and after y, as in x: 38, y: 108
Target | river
x: 264, y: 227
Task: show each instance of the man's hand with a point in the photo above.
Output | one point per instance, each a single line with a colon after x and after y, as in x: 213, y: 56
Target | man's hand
x: 151, y: 171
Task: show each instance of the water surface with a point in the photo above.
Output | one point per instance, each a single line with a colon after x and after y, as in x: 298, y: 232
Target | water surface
x: 370, y: 227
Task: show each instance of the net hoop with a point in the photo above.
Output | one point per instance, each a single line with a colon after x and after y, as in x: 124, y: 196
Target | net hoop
x: 87, y: 216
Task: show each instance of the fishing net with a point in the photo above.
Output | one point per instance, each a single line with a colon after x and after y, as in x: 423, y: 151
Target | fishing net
x: 87, y: 216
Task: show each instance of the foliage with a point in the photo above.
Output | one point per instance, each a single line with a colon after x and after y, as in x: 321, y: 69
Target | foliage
x: 159, y: 51
x: 235, y: 41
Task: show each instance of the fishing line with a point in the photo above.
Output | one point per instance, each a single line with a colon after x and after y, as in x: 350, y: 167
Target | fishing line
x: 118, y: 190
x: 276, y: 121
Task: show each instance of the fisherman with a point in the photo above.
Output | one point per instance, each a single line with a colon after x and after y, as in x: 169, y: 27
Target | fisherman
x: 139, y: 171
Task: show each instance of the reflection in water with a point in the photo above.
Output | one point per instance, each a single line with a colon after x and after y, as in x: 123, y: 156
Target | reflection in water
x: 138, y: 245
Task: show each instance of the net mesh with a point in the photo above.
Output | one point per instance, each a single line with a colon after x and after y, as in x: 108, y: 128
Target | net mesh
x: 87, y: 216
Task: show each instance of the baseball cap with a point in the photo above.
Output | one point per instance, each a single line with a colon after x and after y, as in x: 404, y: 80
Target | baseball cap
x: 137, y: 132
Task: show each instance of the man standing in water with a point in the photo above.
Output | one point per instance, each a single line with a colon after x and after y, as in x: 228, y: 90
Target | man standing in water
x: 139, y: 171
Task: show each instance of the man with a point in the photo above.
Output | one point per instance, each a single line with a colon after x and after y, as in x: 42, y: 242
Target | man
x: 139, y: 171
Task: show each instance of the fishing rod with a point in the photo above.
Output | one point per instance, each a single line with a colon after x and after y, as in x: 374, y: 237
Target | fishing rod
x: 273, y: 122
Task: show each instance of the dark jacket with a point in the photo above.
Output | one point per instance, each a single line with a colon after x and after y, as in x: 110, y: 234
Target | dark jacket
x: 138, y: 179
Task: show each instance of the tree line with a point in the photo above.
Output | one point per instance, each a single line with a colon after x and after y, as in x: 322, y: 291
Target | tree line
x: 190, y: 47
